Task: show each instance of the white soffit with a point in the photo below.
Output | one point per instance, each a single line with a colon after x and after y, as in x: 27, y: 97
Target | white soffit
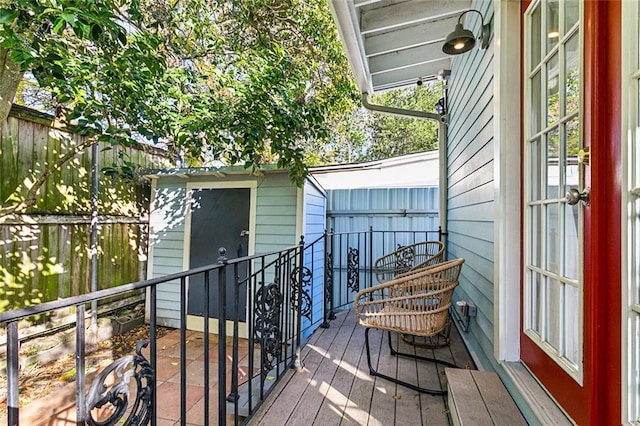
x: 393, y: 43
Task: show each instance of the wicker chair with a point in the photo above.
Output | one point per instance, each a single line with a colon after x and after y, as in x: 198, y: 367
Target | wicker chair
x: 408, y: 258
x: 414, y: 304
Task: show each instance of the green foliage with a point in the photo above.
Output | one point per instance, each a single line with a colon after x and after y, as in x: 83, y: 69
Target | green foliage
x: 392, y: 136
x: 361, y: 135
x: 242, y: 82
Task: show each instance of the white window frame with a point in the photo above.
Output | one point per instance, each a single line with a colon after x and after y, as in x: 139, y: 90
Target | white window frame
x: 630, y: 212
x: 574, y: 370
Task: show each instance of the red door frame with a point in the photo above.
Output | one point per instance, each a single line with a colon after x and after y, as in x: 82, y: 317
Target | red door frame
x: 598, y: 401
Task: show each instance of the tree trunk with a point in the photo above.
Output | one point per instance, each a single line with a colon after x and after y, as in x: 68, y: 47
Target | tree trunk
x: 10, y: 76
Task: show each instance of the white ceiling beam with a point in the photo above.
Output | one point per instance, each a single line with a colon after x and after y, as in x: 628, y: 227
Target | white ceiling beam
x: 410, y: 74
x: 361, y: 3
x: 406, y: 58
x: 408, y: 37
x: 389, y: 15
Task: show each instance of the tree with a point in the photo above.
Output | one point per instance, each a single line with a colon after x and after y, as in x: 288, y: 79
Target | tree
x: 242, y: 81
x: 392, y: 136
x: 361, y: 135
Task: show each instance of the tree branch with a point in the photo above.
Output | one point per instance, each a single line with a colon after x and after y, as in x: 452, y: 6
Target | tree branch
x: 10, y: 76
x: 30, y: 197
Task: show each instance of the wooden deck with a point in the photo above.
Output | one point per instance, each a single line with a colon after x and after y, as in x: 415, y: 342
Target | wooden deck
x: 335, y: 386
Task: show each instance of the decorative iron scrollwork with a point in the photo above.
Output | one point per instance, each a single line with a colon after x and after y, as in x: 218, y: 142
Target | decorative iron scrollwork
x: 117, y: 394
x: 405, y: 258
x: 268, y: 306
x: 305, y: 310
x: 353, y: 269
x: 328, y: 286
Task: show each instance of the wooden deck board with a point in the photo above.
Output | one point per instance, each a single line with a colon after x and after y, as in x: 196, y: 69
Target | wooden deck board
x: 383, y: 407
x: 283, y: 404
x: 337, y: 397
x: 434, y: 409
x: 407, y: 400
x: 357, y: 409
x: 335, y: 386
x: 316, y: 392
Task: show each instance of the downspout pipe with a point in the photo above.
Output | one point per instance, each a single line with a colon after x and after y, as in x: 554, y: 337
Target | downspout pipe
x: 442, y: 150
x: 401, y: 112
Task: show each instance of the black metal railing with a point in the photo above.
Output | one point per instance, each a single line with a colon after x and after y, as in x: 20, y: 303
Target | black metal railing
x: 271, y: 302
x: 350, y: 259
x: 270, y: 320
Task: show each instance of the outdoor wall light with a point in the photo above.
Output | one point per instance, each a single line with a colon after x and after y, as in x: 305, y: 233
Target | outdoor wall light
x: 462, y: 40
x: 439, y: 107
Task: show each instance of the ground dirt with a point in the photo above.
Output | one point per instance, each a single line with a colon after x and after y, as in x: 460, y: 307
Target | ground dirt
x: 38, y: 380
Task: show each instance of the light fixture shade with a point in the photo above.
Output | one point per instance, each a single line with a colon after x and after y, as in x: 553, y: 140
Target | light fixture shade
x: 439, y: 107
x: 459, y: 41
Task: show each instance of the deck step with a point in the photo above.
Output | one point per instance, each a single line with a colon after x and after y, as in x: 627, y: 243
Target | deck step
x: 479, y: 398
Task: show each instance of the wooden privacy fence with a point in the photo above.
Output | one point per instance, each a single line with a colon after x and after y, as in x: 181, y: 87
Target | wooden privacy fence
x: 45, y: 253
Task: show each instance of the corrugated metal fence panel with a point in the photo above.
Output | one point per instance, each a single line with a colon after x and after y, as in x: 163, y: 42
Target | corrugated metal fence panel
x: 383, y: 209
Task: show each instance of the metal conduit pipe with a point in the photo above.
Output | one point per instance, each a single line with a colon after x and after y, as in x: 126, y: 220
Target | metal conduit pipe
x: 401, y: 112
x: 442, y: 181
x: 442, y: 149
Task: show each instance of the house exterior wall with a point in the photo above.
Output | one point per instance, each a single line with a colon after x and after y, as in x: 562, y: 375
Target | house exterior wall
x: 277, y: 226
x: 471, y: 199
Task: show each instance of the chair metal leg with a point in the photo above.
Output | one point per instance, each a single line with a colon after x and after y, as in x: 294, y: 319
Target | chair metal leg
x: 440, y: 340
x: 375, y: 373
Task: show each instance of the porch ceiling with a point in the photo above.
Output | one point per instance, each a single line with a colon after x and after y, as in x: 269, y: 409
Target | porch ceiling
x: 393, y: 43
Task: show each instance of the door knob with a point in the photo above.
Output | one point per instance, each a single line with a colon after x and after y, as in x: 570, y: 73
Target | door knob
x: 574, y: 196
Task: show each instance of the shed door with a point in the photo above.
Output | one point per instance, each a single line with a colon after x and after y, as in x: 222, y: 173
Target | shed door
x: 219, y: 218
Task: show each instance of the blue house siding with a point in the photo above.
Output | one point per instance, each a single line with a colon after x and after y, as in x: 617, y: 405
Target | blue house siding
x: 471, y: 190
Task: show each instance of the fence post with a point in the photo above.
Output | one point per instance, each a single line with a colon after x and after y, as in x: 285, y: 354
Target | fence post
x: 13, y: 366
x: 81, y: 410
x: 222, y: 337
x: 298, y: 362
x: 328, y: 282
x: 332, y: 314
x: 370, y: 256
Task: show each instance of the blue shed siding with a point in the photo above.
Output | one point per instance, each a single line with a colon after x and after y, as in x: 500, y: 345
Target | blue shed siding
x: 168, y: 212
x: 471, y: 189
x: 275, y: 213
x: 314, y: 214
x: 276, y: 228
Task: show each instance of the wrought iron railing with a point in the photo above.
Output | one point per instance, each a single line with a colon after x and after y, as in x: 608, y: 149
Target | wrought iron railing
x: 273, y: 286
x: 271, y: 301
x: 350, y: 259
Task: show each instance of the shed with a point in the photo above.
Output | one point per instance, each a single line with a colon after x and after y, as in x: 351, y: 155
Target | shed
x: 195, y: 211
x: 417, y: 170
x: 393, y: 194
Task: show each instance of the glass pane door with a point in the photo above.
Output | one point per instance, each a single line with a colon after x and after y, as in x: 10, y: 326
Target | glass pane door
x: 631, y: 110
x: 553, y: 257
